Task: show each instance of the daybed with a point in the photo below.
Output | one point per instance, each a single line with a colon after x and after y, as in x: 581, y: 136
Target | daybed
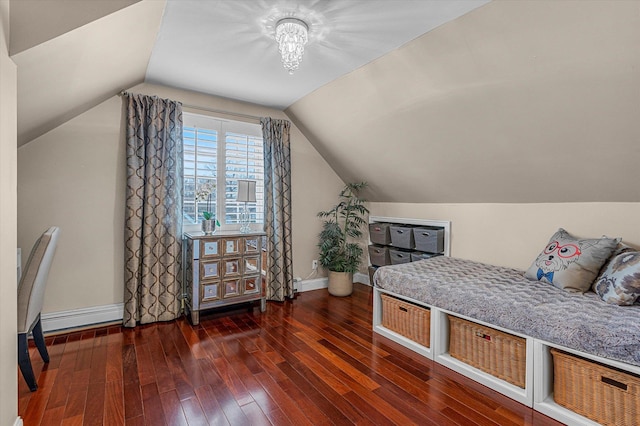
x: 502, y: 298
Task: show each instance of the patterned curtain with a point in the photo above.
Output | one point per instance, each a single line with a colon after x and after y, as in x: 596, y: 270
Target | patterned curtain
x: 153, y: 215
x: 277, y: 207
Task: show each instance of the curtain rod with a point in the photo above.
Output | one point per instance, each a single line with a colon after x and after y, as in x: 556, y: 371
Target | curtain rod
x: 217, y: 111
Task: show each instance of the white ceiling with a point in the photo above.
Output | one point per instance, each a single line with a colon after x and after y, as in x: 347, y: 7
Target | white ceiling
x: 227, y: 48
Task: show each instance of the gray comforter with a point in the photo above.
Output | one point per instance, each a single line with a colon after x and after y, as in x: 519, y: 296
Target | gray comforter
x: 505, y: 298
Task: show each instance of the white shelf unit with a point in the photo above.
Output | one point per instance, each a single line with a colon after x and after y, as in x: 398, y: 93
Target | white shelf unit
x: 420, y: 222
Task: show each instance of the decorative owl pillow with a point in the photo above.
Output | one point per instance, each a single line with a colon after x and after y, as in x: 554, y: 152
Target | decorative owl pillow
x: 619, y: 283
x: 569, y: 263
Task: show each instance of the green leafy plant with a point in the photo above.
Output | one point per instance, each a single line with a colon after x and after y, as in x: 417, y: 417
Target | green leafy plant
x: 342, y: 224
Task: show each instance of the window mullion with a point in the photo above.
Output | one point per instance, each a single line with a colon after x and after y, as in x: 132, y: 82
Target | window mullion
x: 221, y: 177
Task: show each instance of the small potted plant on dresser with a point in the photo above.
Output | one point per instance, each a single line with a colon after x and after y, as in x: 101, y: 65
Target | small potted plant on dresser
x: 339, y: 253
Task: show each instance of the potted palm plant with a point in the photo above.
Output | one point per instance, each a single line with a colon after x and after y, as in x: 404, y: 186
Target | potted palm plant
x: 342, y: 224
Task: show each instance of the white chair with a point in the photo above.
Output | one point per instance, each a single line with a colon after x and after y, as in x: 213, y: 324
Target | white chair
x: 30, y: 299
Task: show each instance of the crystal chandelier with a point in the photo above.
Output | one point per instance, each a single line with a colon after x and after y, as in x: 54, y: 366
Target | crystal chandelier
x: 291, y: 35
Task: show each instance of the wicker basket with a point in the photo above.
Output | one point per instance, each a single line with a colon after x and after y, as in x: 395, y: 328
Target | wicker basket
x: 601, y: 393
x: 407, y: 319
x: 500, y: 354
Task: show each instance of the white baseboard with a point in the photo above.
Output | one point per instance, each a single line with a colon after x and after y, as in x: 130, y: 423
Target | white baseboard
x: 319, y: 283
x: 75, y: 318
x: 359, y: 277
x: 18, y: 422
x: 314, y: 284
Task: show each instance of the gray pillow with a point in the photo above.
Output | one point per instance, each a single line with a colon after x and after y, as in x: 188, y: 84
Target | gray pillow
x: 619, y: 284
x: 569, y: 263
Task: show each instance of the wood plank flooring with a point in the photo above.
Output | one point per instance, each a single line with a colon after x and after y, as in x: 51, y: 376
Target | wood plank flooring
x: 310, y: 361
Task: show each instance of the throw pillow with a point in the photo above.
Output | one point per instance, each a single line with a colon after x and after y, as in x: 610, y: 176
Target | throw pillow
x: 569, y: 263
x: 619, y: 284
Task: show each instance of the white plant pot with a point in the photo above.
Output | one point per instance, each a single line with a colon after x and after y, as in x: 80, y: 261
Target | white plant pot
x: 340, y: 283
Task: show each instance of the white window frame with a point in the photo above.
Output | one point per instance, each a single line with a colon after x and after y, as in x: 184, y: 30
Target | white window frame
x: 222, y: 126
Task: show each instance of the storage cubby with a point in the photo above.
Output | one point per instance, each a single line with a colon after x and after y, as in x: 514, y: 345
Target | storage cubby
x: 396, y: 240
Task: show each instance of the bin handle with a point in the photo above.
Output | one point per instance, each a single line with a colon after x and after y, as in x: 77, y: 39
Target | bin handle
x: 426, y: 234
x: 399, y: 231
x: 403, y: 309
x: 613, y: 382
x: 483, y: 336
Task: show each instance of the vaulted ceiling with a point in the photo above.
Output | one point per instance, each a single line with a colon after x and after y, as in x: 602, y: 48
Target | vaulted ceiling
x: 428, y: 101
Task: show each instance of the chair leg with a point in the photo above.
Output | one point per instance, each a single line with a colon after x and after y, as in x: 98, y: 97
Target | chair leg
x: 38, y: 338
x: 25, y: 362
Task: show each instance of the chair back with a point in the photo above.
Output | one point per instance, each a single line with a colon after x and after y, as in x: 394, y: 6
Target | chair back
x: 34, y: 279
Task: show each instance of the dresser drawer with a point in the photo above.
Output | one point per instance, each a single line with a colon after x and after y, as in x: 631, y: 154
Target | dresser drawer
x: 209, y: 249
x: 209, y: 270
x: 232, y: 246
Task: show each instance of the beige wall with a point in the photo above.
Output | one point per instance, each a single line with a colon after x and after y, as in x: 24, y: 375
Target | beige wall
x: 73, y: 177
x: 8, y: 295
x: 513, y: 234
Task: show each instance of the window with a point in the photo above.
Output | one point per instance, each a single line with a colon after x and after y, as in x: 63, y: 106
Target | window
x: 221, y: 152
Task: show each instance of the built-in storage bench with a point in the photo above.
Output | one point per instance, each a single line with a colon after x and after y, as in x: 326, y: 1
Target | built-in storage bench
x: 537, y: 391
x: 438, y: 348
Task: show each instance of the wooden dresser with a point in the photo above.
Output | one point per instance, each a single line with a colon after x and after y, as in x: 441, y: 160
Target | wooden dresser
x: 222, y: 269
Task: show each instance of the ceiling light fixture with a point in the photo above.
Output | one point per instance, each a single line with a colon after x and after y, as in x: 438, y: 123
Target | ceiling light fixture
x: 291, y: 35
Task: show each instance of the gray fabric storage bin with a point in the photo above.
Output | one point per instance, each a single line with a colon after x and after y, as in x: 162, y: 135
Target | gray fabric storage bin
x: 402, y: 236
x: 429, y: 239
x: 379, y: 255
x: 418, y: 255
x: 379, y: 233
x: 372, y: 270
x: 399, y: 256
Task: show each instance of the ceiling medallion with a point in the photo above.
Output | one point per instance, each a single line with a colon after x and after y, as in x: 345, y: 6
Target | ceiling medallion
x: 291, y: 35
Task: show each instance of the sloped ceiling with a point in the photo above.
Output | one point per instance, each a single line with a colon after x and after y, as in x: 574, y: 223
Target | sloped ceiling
x: 514, y: 102
x: 66, y: 75
x: 54, y: 18
x: 527, y: 101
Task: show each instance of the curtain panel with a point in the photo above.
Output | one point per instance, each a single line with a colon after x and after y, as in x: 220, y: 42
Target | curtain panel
x: 153, y: 212
x: 277, y: 208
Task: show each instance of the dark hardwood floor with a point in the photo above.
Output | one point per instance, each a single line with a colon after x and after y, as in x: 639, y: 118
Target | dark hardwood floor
x: 313, y: 360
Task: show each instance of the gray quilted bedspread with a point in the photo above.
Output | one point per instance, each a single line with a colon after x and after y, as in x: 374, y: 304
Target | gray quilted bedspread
x: 504, y: 297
